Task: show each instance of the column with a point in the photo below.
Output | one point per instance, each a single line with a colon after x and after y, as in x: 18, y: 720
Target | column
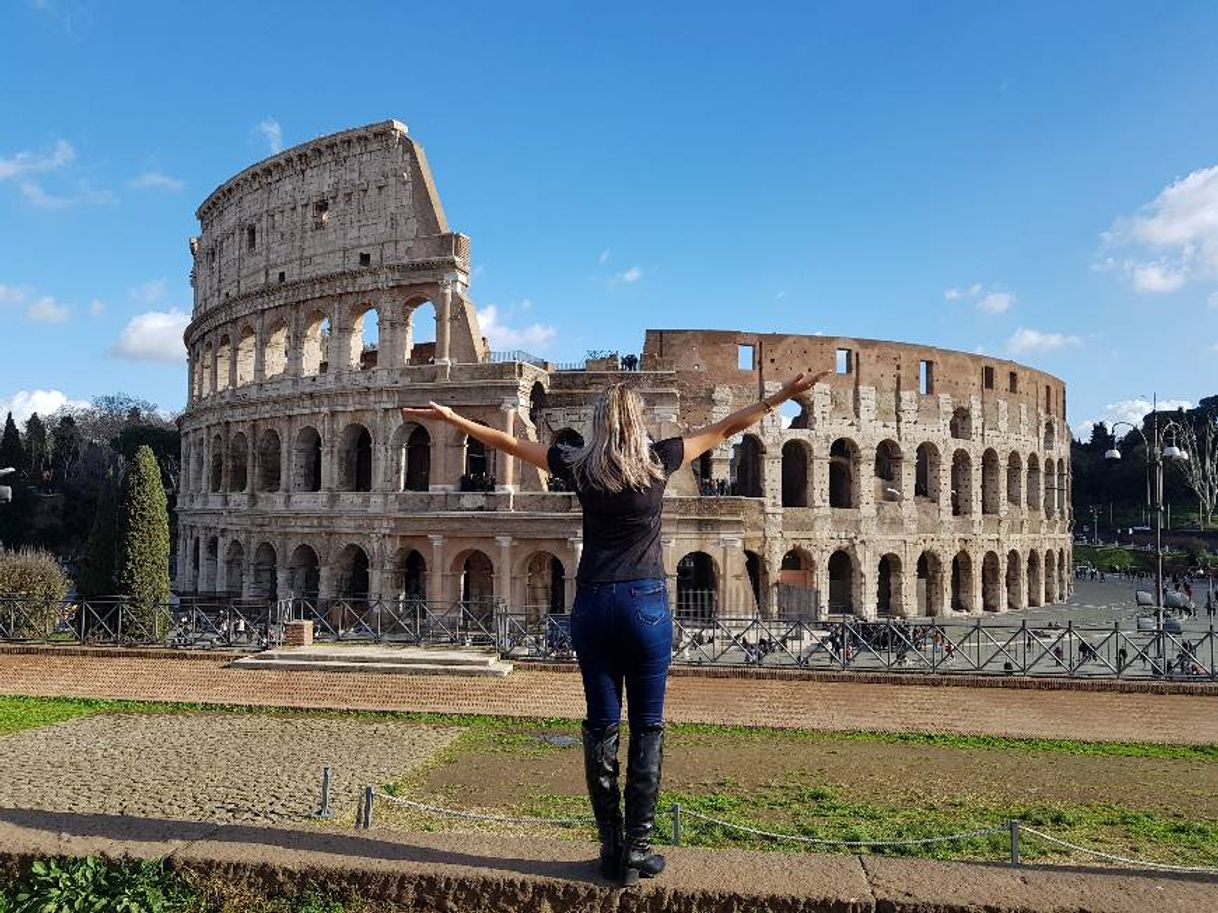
x: 728, y: 598
x: 569, y: 578
x: 222, y: 564
x: 436, y: 576
x: 868, y: 589
x: 506, y: 462
x: 444, y: 301
x: 325, y: 580
x: 283, y: 578
x: 670, y: 570
x: 232, y: 359
x: 294, y: 344
x: 259, y: 348
x: 503, y: 569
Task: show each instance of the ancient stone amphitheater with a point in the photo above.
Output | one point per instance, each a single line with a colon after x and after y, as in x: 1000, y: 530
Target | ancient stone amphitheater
x: 330, y: 292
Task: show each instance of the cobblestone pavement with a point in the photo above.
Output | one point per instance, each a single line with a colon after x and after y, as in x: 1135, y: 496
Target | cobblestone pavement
x: 254, y: 768
x: 790, y: 703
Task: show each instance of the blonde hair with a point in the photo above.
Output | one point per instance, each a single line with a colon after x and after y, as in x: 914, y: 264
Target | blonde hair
x: 618, y: 455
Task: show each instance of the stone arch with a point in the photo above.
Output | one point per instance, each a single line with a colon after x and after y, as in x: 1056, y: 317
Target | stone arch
x: 475, y: 574
x: 1014, y: 479
x: 1034, y: 498
x: 991, y: 482
x: 306, y: 460
x: 265, y: 584
x: 275, y: 350
x: 961, y: 424
x: 217, y: 464
x: 238, y: 462
x: 962, y: 484
x: 545, y: 582
x: 355, y: 458
x: 991, y: 583
x: 224, y: 356
x: 270, y: 460
x: 746, y: 463
x: 1050, y: 482
x: 208, y: 385
x: 888, y: 473
x: 234, y: 567
x: 195, y: 565
x: 419, y: 327
x: 1061, y: 487
x: 962, y: 582
x: 1015, y: 580
x: 411, y: 458
x: 247, y: 345
x: 315, y: 344
x: 365, y: 340
x: 755, y: 570
x: 930, y: 584
x: 926, y: 472
x: 1050, y: 571
x: 197, y: 478
x: 1050, y: 438
x: 697, y: 586
x: 479, y: 462
x: 889, y: 592
x: 304, y: 572
x: 352, y: 577
x: 409, y: 575
x: 537, y: 405
x: 844, y: 473
x: 796, y: 478
x: 845, y: 582
x: 211, y: 565
x: 801, y: 413
x: 1036, y: 588
x: 798, y: 568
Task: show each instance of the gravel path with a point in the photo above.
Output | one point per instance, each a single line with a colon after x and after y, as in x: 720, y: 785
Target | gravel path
x: 253, y: 768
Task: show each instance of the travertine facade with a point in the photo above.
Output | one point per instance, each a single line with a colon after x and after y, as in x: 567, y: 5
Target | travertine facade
x: 912, y: 481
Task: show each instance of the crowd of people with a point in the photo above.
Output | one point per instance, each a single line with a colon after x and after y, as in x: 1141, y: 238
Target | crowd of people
x: 477, y: 481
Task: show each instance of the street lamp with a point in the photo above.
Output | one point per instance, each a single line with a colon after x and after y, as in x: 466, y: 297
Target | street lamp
x: 1156, y: 453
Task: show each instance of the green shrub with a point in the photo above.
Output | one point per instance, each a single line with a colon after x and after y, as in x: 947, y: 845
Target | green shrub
x: 33, y: 586
x: 91, y: 886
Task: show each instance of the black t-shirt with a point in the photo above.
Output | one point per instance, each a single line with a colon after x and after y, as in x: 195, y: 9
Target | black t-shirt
x: 622, y: 529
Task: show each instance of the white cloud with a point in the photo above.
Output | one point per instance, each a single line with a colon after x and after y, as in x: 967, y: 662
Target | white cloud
x: 604, y: 257
x: 149, y: 292
x: 47, y: 310
x: 629, y: 277
x: 504, y: 338
x: 154, y: 336
x: 1025, y: 340
x: 1174, y: 237
x: 270, y: 131
x: 97, y: 307
x: 155, y: 180
x: 1131, y: 411
x: 12, y: 294
x: 84, y: 196
x: 953, y: 294
x: 996, y: 302
x: 33, y: 162
x: 25, y: 403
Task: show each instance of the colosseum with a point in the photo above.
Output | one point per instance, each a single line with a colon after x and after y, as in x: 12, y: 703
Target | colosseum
x: 329, y: 291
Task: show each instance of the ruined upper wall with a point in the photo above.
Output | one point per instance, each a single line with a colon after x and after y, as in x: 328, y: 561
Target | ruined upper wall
x: 710, y: 358
x: 356, y: 199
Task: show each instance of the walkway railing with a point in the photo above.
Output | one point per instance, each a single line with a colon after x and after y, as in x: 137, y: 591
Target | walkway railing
x: 925, y: 645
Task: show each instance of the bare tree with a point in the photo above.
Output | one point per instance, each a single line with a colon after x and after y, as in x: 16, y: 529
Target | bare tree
x: 1199, y: 438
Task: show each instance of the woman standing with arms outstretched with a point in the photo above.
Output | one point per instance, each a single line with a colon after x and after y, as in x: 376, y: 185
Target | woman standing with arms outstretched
x: 621, y: 626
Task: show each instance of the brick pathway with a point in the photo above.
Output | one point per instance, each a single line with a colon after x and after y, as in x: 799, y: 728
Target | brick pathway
x: 1098, y: 716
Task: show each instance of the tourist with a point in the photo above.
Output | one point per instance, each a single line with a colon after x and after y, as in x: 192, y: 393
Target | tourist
x: 621, y: 624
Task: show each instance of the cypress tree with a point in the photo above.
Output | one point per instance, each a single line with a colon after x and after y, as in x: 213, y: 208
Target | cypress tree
x: 143, y: 574
x: 36, y: 451
x: 96, y: 576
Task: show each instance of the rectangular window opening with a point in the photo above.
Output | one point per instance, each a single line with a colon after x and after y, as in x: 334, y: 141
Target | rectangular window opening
x: 321, y: 214
x: 282, y: 276
x: 251, y: 237
x: 845, y: 361
x: 365, y: 259
x: 1013, y: 382
x: 987, y: 377
x: 926, y: 377
x: 744, y: 357
x: 1048, y: 398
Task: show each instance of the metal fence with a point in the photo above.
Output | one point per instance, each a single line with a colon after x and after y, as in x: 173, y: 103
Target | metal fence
x: 702, y: 637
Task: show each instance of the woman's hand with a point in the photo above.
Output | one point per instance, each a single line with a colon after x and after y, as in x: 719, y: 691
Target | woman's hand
x: 800, y: 383
x: 431, y: 412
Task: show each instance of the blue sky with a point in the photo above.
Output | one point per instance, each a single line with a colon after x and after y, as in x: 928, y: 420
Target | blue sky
x: 1033, y: 180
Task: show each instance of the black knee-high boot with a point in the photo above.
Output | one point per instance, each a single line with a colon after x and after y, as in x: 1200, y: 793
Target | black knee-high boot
x: 644, y: 757
x: 601, y: 771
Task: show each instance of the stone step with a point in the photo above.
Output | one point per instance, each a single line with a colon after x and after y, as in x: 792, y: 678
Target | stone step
x: 494, y: 669
x: 377, y: 655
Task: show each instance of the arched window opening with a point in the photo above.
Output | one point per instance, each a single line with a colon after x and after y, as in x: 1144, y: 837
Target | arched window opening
x: 888, y: 586
x: 991, y: 484
x: 478, y: 584
x: 217, y: 464
x: 414, y: 473
x: 275, y: 355
x: 234, y: 568
x: 753, y: 567
x: 315, y: 353
x: 209, y: 376
x: 962, y: 484
x: 962, y: 583
x: 269, y: 461
x: 1050, y: 578
x: 212, y: 565
x: 1036, y: 589
x: 246, y: 345
x: 238, y: 457
x: 1034, y: 499
x: 961, y: 426
x: 410, y: 576
x: 1050, y: 495
x: 306, y: 469
x: 479, y: 467
x: 304, y: 572
x: 545, y: 586
x: 351, y: 577
x: 1050, y: 435
x: 265, y: 585
x: 843, y: 474
x: 991, y: 583
x: 795, y: 474
x: 355, y: 461
x: 926, y: 472
x: 365, y: 339
x: 841, y: 583
x: 224, y: 355
x: 930, y: 584
x: 888, y: 471
x: 697, y: 587
x: 420, y: 329
x: 796, y: 414
x: 746, y: 467
x: 1014, y: 480
x: 1014, y: 580
x: 537, y: 406
x: 195, y: 567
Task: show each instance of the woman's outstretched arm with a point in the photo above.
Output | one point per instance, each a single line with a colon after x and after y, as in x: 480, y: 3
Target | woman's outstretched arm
x: 710, y: 437
x: 529, y: 451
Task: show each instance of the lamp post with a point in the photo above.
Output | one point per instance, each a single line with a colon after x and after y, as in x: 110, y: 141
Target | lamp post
x: 1156, y: 453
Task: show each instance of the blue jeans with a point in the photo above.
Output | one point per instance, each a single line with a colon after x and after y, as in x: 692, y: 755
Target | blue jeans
x: 622, y: 633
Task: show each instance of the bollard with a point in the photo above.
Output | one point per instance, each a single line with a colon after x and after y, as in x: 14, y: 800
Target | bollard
x: 367, y: 816
x: 1014, y: 826
x: 324, y: 811
x: 676, y: 824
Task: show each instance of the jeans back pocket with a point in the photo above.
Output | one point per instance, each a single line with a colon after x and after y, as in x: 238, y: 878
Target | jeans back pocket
x: 650, y: 602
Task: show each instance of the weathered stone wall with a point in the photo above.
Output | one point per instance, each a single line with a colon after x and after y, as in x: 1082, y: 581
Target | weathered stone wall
x: 300, y: 478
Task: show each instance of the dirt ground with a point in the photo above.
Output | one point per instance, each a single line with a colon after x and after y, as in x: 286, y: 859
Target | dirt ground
x: 509, y: 772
